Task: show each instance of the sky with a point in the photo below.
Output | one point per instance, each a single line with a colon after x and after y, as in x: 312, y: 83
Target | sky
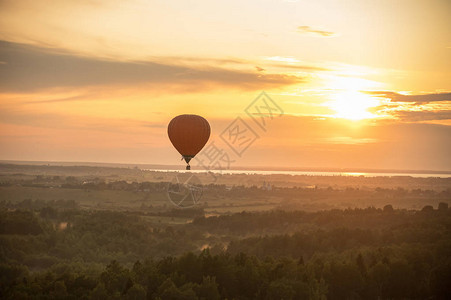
x: 352, y: 84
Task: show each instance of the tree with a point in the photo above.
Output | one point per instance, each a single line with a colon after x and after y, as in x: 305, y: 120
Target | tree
x: 379, y: 276
x: 401, y: 282
x: 388, y: 208
x: 281, y: 289
x: 345, y: 281
x: 442, y: 206
x: 318, y: 289
x: 115, y: 278
x: 208, y: 289
x: 99, y: 292
x: 361, y: 265
x: 440, y: 281
x: 136, y: 292
x: 427, y: 208
x: 168, y: 290
x: 48, y: 213
x: 60, y: 291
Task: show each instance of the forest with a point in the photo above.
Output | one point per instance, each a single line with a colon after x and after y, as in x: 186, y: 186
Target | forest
x: 73, y: 237
x: 359, y: 253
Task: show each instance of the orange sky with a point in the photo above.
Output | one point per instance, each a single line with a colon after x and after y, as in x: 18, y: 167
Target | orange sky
x: 362, y: 84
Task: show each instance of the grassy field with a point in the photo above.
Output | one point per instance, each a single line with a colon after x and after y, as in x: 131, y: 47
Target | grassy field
x: 90, y: 199
x: 92, y: 188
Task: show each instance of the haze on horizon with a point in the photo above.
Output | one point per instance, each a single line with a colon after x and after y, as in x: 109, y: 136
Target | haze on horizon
x: 362, y: 84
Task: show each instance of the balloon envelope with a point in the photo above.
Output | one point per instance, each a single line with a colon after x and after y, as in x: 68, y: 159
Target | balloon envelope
x: 188, y: 134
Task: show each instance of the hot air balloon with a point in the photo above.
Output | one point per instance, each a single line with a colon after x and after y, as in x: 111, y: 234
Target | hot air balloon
x: 188, y: 134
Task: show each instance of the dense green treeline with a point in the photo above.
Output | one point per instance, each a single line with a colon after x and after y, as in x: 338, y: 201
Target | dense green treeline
x: 389, y: 273
x: 276, y: 221
x: 61, y: 252
x: 49, y: 237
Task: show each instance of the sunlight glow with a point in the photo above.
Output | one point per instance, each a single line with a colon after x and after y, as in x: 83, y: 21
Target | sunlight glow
x: 352, y: 105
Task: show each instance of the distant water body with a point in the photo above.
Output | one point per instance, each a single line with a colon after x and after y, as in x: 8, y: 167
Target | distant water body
x: 307, y: 173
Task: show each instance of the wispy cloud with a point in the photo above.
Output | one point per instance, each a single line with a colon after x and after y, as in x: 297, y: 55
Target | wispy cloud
x: 423, y: 98
x: 419, y: 116
x: 316, y: 32
x: 300, y: 67
x: 30, y: 68
x: 196, y: 61
x: 414, y: 108
x: 64, y: 99
x: 288, y: 62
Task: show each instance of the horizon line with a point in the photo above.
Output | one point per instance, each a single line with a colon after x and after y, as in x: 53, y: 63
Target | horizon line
x: 236, y: 168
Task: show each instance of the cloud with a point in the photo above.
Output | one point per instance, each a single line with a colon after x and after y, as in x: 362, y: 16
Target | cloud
x: 29, y: 68
x: 300, y: 67
x: 417, y: 116
x: 186, y: 60
x: 424, y: 98
x: 316, y: 32
x: 292, y: 63
x: 64, y: 99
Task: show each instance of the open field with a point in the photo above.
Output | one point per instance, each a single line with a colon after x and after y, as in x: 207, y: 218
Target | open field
x: 126, y: 189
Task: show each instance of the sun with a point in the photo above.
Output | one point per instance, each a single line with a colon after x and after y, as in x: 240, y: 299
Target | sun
x: 352, y: 105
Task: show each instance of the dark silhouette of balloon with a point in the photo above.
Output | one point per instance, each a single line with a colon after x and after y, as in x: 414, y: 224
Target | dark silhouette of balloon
x: 188, y: 134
